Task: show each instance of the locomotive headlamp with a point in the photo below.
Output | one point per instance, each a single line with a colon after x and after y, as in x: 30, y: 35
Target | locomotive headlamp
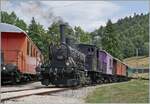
x: 4, y: 68
x: 67, y: 63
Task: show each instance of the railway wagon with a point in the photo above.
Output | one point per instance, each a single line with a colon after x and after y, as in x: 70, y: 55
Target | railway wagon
x: 105, y: 66
x: 101, y: 66
x: 124, y: 69
x: 98, y: 63
x: 19, y: 55
x: 105, y: 62
x: 121, y: 70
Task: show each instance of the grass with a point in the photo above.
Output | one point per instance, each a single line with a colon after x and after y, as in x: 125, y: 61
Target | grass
x: 134, y: 91
x: 136, y: 62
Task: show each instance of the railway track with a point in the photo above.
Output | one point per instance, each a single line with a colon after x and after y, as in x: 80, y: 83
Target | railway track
x: 28, y: 92
x: 17, y: 90
x: 13, y: 94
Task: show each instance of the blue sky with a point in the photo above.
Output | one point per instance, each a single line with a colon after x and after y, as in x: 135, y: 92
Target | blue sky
x: 87, y: 14
x: 137, y: 6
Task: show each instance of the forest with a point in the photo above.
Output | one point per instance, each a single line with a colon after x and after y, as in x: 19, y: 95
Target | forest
x: 127, y: 37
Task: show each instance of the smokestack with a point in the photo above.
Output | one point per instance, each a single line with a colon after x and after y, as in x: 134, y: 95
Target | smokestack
x: 62, y: 35
x: 68, y: 41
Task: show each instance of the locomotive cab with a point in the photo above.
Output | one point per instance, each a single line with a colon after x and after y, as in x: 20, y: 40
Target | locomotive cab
x: 90, y: 52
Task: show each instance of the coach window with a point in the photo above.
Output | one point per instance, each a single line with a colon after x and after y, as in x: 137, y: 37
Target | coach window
x: 28, y: 47
x: 31, y: 50
x: 34, y: 52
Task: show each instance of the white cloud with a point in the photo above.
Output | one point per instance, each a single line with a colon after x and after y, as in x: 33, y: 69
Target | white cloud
x: 87, y: 14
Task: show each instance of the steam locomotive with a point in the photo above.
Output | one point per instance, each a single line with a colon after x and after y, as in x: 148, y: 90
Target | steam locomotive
x: 66, y: 67
x: 85, y: 64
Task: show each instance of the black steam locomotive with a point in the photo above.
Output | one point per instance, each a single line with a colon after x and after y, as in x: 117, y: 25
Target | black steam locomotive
x: 66, y: 66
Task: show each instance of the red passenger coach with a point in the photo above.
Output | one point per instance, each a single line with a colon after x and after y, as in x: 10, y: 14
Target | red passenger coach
x: 19, y: 55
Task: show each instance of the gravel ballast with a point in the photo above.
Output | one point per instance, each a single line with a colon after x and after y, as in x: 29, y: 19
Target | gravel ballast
x: 72, y: 96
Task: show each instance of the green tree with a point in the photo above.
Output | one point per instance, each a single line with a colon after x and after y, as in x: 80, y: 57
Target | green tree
x: 8, y: 18
x: 38, y: 34
x: 54, y: 31
x: 132, y: 32
x: 110, y: 41
x: 13, y: 17
x: 5, y: 17
x: 33, y: 31
x: 82, y: 36
x: 21, y: 24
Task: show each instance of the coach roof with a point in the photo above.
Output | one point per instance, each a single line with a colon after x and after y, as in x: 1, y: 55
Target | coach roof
x: 10, y: 28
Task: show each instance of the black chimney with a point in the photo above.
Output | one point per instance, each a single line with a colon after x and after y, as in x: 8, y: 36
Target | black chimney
x: 68, y: 41
x: 62, y: 35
